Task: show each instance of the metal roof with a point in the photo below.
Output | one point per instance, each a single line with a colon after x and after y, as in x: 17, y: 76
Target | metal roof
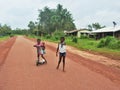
x: 108, y: 29
x: 81, y: 30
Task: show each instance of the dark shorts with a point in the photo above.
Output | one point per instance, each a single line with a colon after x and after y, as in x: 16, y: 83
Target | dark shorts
x: 62, y: 54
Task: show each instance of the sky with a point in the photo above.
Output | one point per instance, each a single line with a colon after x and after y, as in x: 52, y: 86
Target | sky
x: 18, y: 13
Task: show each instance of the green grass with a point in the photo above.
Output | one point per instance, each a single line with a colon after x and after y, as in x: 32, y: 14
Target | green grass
x: 2, y: 38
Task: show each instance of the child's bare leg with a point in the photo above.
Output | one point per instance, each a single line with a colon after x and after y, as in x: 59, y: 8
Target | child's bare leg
x: 63, y: 63
x: 59, y: 62
x: 43, y: 58
x: 38, y: 57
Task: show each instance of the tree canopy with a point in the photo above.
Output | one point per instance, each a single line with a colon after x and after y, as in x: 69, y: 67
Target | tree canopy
x: 50, y: 20
x: 5, y: 29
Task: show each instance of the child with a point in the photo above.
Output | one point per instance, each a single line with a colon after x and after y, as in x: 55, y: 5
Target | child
x: 39, y: 47
x: 62, y: 52
x: 43, y: 47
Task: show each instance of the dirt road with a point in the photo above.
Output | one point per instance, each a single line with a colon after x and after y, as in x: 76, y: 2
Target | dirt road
x: 20, y: 73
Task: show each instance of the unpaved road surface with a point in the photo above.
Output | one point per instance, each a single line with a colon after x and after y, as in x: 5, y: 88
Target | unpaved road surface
x: 19, y: 72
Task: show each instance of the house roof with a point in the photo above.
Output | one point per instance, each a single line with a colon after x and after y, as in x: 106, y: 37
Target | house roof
x: 72, y: 31
x: 108, y: 29
x: 81, y: 30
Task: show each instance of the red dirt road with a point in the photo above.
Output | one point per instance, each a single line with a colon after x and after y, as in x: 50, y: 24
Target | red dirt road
x: 20, y: 73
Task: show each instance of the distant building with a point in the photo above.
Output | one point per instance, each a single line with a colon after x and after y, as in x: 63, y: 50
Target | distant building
x: 78, y: 33
x: 109, y: 31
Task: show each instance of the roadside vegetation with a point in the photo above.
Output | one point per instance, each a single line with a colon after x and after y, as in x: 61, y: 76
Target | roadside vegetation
x: 4, y: 38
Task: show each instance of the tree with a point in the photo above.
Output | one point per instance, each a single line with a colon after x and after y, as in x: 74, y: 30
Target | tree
x: 95, y: 26
x: 5, y: 29
x: 90, y: 27
x: 51, y: 20
x: 31, y: 26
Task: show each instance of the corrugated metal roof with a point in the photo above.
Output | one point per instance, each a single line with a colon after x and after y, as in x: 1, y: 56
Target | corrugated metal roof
x: 108, y: 29
x: 81, y: 30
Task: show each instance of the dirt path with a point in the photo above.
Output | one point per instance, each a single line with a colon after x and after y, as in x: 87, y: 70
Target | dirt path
x: 20, y: 73
x: 5, y: 47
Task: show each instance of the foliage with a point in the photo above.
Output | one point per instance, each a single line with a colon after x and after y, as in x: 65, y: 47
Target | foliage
x: 51, y: 20
x: 48, y: 36
x: 5, y: 30
x: 109, y: 42
x: 75, y: 40
x: 101, y: 43
x: 31, y: 26
x: 57, y: 34
x: 95, y: 26
x: 3, y: 38
x: 19, y: 31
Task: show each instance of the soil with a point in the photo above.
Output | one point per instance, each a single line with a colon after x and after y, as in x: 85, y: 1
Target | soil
x: 19, y: 70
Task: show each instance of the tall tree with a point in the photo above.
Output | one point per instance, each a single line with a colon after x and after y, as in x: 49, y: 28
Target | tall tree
x: 55, y: 19
x: 31, y: 26
x: 95, y: 26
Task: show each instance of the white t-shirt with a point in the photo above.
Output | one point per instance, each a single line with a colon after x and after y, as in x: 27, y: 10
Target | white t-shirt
x: 62, y: 47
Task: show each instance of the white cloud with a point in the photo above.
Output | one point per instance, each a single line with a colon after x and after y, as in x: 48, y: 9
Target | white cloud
x: 103, y: 17
x: 17, y: 13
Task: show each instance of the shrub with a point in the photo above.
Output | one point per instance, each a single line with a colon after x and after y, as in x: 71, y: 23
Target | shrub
x: 58, y: 33
x: 101, y: 43
x: 48, y: 36
x: 114, y: 44
x: 75, y: 40
x: 110, y: 42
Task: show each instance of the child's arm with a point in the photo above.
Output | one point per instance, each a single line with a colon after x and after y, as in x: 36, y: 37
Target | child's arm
x: 34, y: 45
x: 57, y: 50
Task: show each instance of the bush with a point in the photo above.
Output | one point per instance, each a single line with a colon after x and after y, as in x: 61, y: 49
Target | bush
x: 59, y: 33
x: 48, y: 36
x: 114, y: 44
x: 75, y: 40
x: 101, y: 43
x: 109, y: 42
x: 56, y: 35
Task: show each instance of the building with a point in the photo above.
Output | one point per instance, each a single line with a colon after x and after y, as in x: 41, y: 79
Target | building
x: 78, y: 33
x: 109, y: 31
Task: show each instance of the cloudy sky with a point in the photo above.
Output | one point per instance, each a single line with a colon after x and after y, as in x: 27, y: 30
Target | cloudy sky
x: 18, y: 13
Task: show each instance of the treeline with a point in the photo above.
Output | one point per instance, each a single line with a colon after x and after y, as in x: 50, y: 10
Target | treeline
x: 51, y: 20
x: 5, y: 30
